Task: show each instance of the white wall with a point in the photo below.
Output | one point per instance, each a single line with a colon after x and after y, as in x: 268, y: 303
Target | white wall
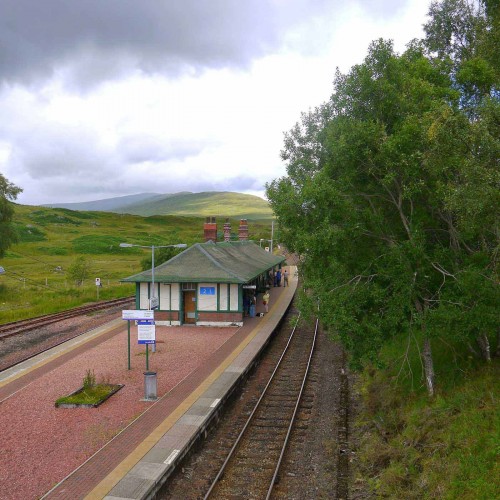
x: 224, y: 298
x: 144, y: 296
x: 234, y: 298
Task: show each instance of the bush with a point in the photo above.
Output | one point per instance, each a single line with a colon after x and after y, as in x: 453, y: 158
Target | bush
x: 94, y: 244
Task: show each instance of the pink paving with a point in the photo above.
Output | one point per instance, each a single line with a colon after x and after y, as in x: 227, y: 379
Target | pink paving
x: 41, y: 444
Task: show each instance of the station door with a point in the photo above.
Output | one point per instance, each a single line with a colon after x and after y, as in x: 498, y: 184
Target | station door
x: 190, y: 307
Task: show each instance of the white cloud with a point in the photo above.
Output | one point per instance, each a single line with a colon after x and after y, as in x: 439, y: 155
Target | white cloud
x: 128, y: 126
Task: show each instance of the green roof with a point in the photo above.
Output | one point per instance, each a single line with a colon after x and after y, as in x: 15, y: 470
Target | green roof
x: 225, y: 262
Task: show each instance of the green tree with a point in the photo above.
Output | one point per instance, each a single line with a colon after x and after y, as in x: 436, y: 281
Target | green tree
x: 161, y: 256
x: 383, y: 202
x: 79, y: 270
x: 8, y: 191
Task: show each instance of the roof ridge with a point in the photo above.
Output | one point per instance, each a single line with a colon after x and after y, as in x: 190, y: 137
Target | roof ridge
x: 218, y: 264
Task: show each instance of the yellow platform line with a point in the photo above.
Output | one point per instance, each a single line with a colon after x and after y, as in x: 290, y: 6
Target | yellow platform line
x: 112, y: 479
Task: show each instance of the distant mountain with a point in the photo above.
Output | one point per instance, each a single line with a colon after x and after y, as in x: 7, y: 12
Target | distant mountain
x: 211, y: 203
x: 108, y: 204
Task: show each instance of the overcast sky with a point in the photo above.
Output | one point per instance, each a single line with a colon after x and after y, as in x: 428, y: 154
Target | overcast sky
x: 104, y: 98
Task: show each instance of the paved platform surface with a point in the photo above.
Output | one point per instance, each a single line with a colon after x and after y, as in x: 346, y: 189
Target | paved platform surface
x: 134, y: 463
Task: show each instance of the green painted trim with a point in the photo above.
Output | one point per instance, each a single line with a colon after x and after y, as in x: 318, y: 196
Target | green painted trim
x: 137, y: 295
x: 240, y: 298
x: 196, y: 302
x: 218, y: 297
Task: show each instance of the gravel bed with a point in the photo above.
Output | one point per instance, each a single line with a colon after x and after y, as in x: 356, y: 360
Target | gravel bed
x: 41, y: 444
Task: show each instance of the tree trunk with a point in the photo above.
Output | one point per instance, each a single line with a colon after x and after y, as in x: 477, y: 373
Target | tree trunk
x: 484, y: 346
x: 428, y: 367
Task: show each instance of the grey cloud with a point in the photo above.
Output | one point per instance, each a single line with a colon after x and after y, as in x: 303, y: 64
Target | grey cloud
x: 138, y: 149
x: 56, y: 151
x: 39, y: 37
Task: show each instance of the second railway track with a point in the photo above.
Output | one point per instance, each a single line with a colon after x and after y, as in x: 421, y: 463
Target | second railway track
x: 16, y: 327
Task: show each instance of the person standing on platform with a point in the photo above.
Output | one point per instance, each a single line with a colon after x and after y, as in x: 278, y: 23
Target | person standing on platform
x: 265, y: 301
x: 278, y: 277
x: 246, y: 305
x: 285, y: 278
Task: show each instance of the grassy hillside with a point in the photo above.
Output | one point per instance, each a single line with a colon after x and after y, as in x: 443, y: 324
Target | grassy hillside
x: 414, y: 447
x: 217, y: 204
x: 213, y: 203
x: 50, y: 240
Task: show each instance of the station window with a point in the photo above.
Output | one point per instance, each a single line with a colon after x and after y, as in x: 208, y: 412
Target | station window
x: 188, y: 286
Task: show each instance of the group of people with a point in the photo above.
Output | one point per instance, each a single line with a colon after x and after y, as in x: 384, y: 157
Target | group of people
x: 275, y: 278
x: 250, y: 300
x: 278, y: 276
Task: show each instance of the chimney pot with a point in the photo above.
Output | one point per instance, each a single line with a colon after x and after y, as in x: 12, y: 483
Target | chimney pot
x: 210, y: 229
x: 243, y: 230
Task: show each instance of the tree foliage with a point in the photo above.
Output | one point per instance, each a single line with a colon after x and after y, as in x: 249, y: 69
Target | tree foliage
x: 80, y: 270
x: 391, y: 195
x: 8, y: 236
x: 161, y: 256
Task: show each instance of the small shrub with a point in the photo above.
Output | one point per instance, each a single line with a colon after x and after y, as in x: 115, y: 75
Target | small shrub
x: 89, y: 379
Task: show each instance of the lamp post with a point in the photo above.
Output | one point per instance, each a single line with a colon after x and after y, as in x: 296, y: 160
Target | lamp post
x: 153, y: 301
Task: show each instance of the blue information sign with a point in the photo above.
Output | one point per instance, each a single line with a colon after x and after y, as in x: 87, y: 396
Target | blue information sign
x: 207, y: 290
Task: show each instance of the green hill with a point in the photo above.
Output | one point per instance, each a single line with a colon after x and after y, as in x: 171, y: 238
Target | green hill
x: 212, y: 203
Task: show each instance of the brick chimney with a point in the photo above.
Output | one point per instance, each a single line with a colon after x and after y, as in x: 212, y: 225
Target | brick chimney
x: 243, y: 230
x: 210, y: 229
x: 227, y: 230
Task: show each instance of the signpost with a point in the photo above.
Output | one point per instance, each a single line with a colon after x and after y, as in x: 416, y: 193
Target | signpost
x: 137, y: 314
x: 146, y: 334
x: 141, y: 316
x: 98, y: 285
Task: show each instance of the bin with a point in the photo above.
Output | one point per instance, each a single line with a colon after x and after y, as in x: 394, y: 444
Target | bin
x: 150, y: 393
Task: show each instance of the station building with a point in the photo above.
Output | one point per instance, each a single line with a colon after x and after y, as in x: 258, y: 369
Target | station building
x: 205, y: 284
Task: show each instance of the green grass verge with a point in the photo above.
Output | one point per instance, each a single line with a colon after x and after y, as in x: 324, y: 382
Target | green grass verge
x: 447, y: 447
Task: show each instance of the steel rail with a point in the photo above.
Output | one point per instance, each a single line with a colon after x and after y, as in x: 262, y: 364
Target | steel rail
x: 252, y: 414
x: 16, y: 327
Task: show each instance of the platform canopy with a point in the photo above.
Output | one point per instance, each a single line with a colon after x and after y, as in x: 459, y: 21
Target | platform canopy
x: 224, y: 262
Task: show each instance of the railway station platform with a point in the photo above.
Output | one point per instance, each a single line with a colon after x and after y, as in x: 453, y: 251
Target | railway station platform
x: 137, y: 460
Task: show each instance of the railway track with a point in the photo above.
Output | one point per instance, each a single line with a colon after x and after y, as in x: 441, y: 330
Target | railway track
x: 252, y: 466
x: 18, y: 327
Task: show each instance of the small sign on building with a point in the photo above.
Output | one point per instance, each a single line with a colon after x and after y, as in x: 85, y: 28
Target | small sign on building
x: 154, y: 303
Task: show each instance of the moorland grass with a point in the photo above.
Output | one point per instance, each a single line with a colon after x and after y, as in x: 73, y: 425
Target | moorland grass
x: 36, y: 280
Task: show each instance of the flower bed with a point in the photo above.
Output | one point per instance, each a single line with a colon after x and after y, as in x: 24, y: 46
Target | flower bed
x: 88, y: 397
